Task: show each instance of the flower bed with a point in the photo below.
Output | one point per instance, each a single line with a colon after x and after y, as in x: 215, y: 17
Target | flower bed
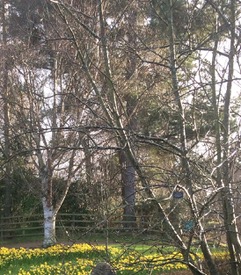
x: 79, y: 259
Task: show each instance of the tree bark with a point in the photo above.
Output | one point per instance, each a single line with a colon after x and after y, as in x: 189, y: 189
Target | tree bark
x: 128, y: 191
x: 183, y: 141
x: 228, y: 203
x: 49, y: 223
x: 5, y: 94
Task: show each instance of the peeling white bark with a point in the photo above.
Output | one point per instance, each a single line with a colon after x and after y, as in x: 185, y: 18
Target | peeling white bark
x: 49, y: 224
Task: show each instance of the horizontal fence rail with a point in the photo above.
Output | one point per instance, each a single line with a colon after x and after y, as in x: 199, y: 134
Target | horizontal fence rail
x: 70, y: 223
x: 21, y: 226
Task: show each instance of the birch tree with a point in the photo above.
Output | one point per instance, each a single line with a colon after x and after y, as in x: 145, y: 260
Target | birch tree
x: 55, y: 151
x: 45, y: 117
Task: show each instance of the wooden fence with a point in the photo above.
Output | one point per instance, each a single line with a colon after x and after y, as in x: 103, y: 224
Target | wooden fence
x: 32, y: 226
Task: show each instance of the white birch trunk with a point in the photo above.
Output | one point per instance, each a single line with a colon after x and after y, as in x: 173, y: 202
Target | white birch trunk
x: 49, y: 224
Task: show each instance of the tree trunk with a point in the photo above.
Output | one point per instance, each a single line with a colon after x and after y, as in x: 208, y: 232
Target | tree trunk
x: 224, y: 162
x: 128, y: 191
x: 228, y: 202
x: 47, y: 203
x: 5, y: 96
x: 184, y: 159
x: 49, y: 224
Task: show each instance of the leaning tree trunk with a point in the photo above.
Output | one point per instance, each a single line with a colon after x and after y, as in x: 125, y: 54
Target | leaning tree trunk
x: 230, y: 220
x: 224, y: 162
x: 113, y: 116
x: 184, y: 159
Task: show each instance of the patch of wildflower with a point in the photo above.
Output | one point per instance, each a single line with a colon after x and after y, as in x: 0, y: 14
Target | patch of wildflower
x: 153, y: 261
x: 78, y: 259
x: 81, y: 268
x: 8, y: 256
